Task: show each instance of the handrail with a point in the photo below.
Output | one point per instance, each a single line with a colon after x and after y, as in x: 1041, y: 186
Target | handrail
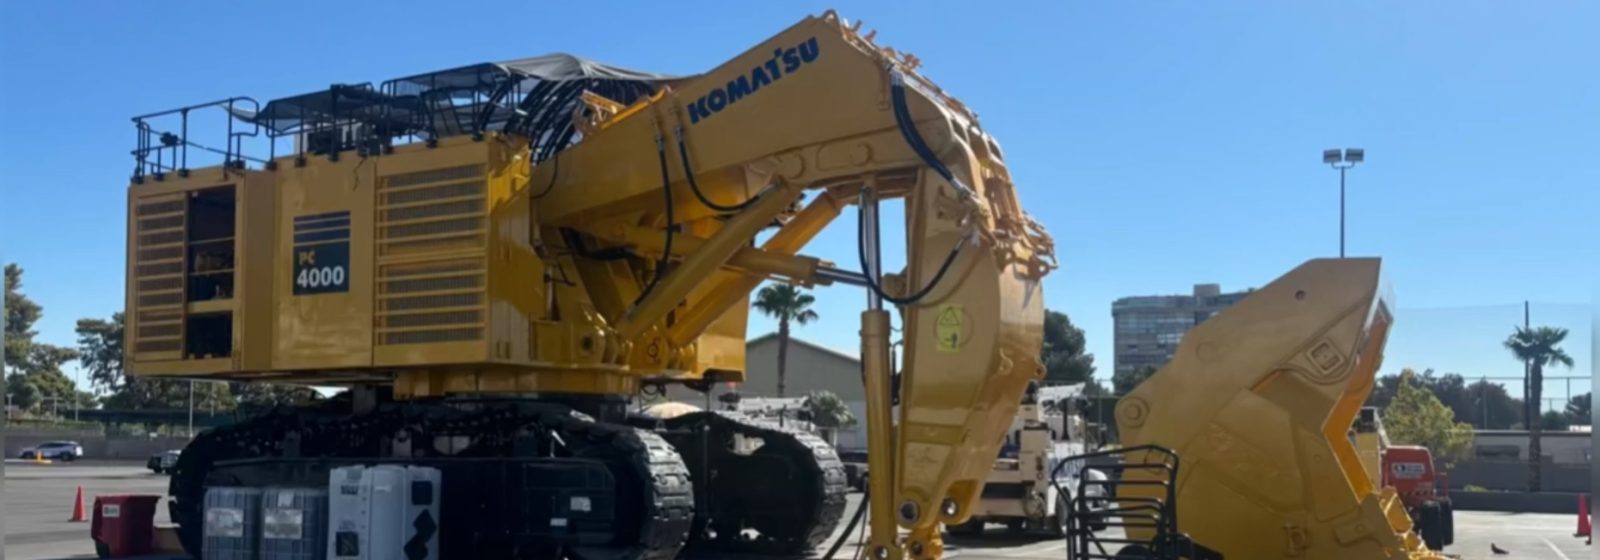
x: 159, y: 151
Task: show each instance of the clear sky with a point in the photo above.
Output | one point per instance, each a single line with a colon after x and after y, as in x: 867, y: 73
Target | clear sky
x: 1162, y: 143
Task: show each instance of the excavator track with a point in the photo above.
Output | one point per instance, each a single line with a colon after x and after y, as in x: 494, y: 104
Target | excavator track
x: 760, y: 488
x: 500, y: 482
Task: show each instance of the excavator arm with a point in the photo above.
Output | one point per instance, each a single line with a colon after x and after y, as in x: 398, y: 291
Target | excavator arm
x: 688, y: 177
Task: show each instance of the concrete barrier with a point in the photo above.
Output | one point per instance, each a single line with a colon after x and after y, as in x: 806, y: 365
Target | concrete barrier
x: 1516, y: 502
x: 1513, y: 476
x: 96, y: 445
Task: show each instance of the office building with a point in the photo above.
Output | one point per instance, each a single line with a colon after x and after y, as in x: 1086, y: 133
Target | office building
x: 1148, y: 328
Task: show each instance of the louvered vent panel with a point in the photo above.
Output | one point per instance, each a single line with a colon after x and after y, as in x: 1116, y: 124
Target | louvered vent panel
x: 158, y: 274
x: 432, y: 234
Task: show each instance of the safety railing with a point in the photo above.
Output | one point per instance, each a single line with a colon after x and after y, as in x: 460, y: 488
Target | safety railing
x: 1131, y: 512
x: 163, y: 140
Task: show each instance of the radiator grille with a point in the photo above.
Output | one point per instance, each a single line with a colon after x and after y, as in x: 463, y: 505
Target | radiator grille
x: 432, y: 234
x: 158, y: 273
x: 440, y: 301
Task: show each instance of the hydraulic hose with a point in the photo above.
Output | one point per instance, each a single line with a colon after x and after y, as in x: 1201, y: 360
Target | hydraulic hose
x: 861, y: 510
x: 555, y: 171
x: 908, y: 131
x: 666, y: 191
x: 871, y: 275
x: 688, y: 171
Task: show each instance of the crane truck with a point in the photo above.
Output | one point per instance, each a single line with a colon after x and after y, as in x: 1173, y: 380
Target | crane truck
x: 495, y: 259
x: 1411, y: 471
x: 1020, y: 492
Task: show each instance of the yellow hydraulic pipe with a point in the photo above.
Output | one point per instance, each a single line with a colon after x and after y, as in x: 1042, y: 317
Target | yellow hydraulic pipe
x: 734, y: 288
x: 716, y: 251
x: 884, y: 541
x: 748, y: 259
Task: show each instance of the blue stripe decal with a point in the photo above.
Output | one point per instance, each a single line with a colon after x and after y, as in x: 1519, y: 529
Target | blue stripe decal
x: 312, y: 217
x: 329, y: 235
x: 323, y: 224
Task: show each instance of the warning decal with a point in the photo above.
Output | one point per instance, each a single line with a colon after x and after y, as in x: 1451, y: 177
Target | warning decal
x: 952, y: 327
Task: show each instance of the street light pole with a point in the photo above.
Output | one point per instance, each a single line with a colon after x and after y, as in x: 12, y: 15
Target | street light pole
x: 1343, y: 160
x: 1341, y: 211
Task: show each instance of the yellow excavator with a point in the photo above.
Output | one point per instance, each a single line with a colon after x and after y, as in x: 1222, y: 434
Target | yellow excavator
x: 496, y: 259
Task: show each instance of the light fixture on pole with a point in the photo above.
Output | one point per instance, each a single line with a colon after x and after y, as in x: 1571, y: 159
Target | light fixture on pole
x: 1343, y: 160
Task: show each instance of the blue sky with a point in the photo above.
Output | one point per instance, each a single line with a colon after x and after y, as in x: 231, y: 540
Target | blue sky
x: 1162, y: 143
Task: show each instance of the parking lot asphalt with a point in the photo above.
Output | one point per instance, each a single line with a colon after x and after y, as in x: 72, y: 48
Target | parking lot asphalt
x: 37, y: 502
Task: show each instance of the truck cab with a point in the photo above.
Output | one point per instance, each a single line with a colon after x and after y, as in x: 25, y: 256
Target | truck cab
x: 1047, y: 430
x: 1410, y: 470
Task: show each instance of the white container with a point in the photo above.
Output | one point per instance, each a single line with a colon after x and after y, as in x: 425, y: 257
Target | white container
x: 374, y: 513
x: 294, y: 524
x: 233, y: 523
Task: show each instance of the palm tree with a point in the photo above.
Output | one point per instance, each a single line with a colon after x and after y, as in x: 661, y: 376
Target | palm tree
x: 786, y: 303
x: 1537, y: 347
x: 828, y: 413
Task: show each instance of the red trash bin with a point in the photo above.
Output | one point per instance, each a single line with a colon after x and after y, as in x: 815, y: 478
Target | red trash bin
x: 124, y: 524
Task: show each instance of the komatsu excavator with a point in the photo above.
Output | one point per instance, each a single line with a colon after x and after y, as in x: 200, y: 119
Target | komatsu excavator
x: 495, y: 259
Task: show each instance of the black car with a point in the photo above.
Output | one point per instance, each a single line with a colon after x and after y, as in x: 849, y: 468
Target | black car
x: 163, y: 461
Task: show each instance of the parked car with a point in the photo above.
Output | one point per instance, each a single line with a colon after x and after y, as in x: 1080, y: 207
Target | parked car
x: 58, y: 450
x: 164, y: 461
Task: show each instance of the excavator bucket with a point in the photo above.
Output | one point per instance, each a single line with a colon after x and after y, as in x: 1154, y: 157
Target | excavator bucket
x: 1257, y: 403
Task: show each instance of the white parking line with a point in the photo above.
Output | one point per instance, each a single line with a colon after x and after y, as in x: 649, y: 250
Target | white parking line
x: 1553, y: 548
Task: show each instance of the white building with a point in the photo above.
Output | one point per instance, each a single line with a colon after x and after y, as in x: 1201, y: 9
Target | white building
x: 811, y: 367
x: 1570, y: 447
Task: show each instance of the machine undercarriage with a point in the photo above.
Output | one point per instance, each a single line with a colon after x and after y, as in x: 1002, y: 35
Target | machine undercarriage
x: 535, y: 479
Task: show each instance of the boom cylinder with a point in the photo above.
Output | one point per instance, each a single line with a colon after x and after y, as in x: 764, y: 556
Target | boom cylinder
x: 880, y: 444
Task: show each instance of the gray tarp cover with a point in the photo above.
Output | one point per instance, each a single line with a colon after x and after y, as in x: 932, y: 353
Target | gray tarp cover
x: 563, y: 66
x: 288, y: 113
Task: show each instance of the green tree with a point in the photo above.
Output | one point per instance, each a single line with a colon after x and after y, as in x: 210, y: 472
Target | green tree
x: 1416, y: 417
x: 1554, y: 421
x: 787, y: 304
x: 1388, y: 386
x: 1538, y: 347
x: 21, y: 314
x: 100, y: 354
x: 1123, y: 382
x: 1065, y: 360
x: 1578, y: 411
x: 1482, y: 404
x: 1493, y: 408
x: 827, y: 410
x: 100, y: 351
x: 258, y: 395
x: 26, y: 359
x: 23, y: 394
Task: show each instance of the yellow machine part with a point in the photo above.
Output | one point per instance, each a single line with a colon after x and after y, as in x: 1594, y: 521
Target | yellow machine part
x: 1370, y: 441
x: 1258, y: 403
x: 461, y: 276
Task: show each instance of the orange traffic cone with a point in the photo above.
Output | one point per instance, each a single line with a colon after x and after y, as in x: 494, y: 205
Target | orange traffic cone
x: 1583, y: 516
x: 77, y: 507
